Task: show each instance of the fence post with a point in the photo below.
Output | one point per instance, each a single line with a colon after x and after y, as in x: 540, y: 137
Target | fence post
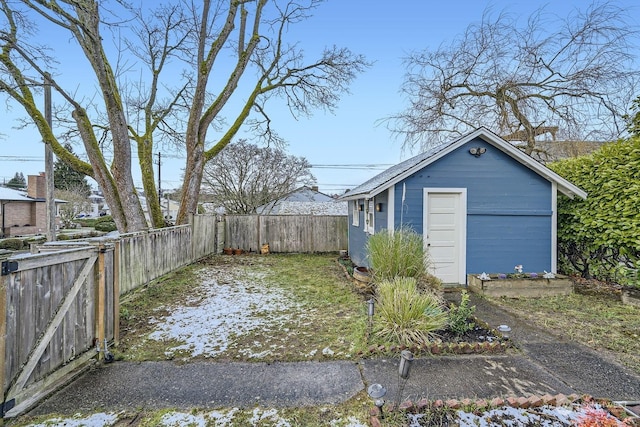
x: 100, y: 306
x: 221, y: 236
x: 192, y: 243
x: 259, y: 242
x: 116, y: 293
x: 4, y: 282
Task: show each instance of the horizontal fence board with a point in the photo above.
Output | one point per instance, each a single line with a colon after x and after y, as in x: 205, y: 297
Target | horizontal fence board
x: 30, y: 261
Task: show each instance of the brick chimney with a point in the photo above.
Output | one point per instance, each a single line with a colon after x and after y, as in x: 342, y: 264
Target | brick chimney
x: 36, y: 186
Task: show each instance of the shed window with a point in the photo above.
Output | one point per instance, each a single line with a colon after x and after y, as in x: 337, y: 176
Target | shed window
x: 356, y: 214
x: 370, y: 217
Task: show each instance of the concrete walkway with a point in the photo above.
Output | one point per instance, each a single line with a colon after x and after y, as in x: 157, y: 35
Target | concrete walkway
x: 544, y: 364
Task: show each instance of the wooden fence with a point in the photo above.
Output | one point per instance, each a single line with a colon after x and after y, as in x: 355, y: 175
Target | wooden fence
x: 55, y: 307
x: 287, y: 233
x: 59, y: 307
x: 146, y: 256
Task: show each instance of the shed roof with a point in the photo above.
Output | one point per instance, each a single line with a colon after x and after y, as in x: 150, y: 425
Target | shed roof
x: 402, y: 170
x: 304, y: 201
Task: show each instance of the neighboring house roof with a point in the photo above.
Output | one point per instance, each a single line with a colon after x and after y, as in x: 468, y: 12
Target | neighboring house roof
x: 304, y: 201
x: 551, y: 151
x: 397, y: 173
x: 308, y: 208
x: 9, y: 194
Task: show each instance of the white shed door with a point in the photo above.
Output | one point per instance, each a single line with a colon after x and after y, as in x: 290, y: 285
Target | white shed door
x: 444, y: 235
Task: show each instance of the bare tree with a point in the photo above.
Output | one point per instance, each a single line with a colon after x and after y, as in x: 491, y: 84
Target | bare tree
x: 281, y: 71
x: 172, y: 50
x: 244, y: 176
x: 524, y: 81
x: 76, y: 202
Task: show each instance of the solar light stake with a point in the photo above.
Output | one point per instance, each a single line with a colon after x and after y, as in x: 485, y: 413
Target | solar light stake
x: 505, y: 331
x: 406, y: 357
x: 371, y: 303
x: 377, y: 392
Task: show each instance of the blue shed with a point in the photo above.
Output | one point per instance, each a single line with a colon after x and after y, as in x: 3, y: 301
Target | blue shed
x: 481, y: 204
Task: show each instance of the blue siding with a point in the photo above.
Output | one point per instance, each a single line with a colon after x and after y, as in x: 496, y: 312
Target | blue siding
x: 380, y: 221
x: 498, y: 244
x: 357, y: 237
x: 508, y: 205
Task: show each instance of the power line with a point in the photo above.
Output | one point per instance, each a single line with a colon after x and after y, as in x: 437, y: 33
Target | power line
x: 379, y: 166
x: 21, y: 159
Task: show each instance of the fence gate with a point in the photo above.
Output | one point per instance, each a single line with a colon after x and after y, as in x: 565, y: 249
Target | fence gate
x: 56, y: 308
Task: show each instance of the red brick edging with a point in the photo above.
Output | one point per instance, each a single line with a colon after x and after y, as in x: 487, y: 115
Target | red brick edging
x: 478, y: 405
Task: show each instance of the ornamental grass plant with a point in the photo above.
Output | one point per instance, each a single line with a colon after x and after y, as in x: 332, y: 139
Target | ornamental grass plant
x: 405, y: 315
x: 396, y: 253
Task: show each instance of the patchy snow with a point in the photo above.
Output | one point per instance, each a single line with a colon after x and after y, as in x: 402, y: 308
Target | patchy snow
x: 227, y: 306
x: 95, y: 420
x: 350, y: 422
x: 327, y: 351
x: 260, y: 415
x: 549, y: 416
x: 211, y: 418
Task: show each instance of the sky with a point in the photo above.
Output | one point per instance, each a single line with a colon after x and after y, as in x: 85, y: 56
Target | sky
x: 352, y: 144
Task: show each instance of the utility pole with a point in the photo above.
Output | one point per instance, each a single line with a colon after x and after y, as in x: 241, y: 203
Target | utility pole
x: 50, y: 203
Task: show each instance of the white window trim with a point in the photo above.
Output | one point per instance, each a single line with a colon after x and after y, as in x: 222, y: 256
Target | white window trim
x: 391, y: 199
x: 369, y: 216
x: 355, y: 221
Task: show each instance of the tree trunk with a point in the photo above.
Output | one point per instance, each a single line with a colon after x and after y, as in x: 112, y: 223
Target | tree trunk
x: 191, y: 184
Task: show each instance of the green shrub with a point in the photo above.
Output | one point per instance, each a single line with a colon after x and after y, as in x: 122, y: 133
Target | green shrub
x: 397, y: 254
x: 404, y: 315
x: 86, y: 222
x: 348, y: 265
x: 12, y: 244
x: 600, y: 236
x: 460, y: 315
x: 101, y: 219
x: 106, y: 226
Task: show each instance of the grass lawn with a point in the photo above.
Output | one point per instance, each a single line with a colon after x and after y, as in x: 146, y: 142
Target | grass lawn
x: 246, y: 308
x: 597, y: 321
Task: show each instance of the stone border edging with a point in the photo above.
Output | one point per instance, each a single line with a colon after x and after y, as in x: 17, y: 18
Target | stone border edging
x: 484, y: 405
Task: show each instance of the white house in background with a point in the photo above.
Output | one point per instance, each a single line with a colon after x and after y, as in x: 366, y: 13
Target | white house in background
x: 169, y: 209
x: 98, y: 205
x: 304, y: 201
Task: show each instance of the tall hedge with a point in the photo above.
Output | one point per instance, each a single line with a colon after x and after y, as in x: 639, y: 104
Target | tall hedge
x: 600, y: 236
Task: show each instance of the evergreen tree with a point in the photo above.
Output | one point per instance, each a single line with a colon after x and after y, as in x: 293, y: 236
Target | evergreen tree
x: 66, y: 178
x: 17, y: 181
